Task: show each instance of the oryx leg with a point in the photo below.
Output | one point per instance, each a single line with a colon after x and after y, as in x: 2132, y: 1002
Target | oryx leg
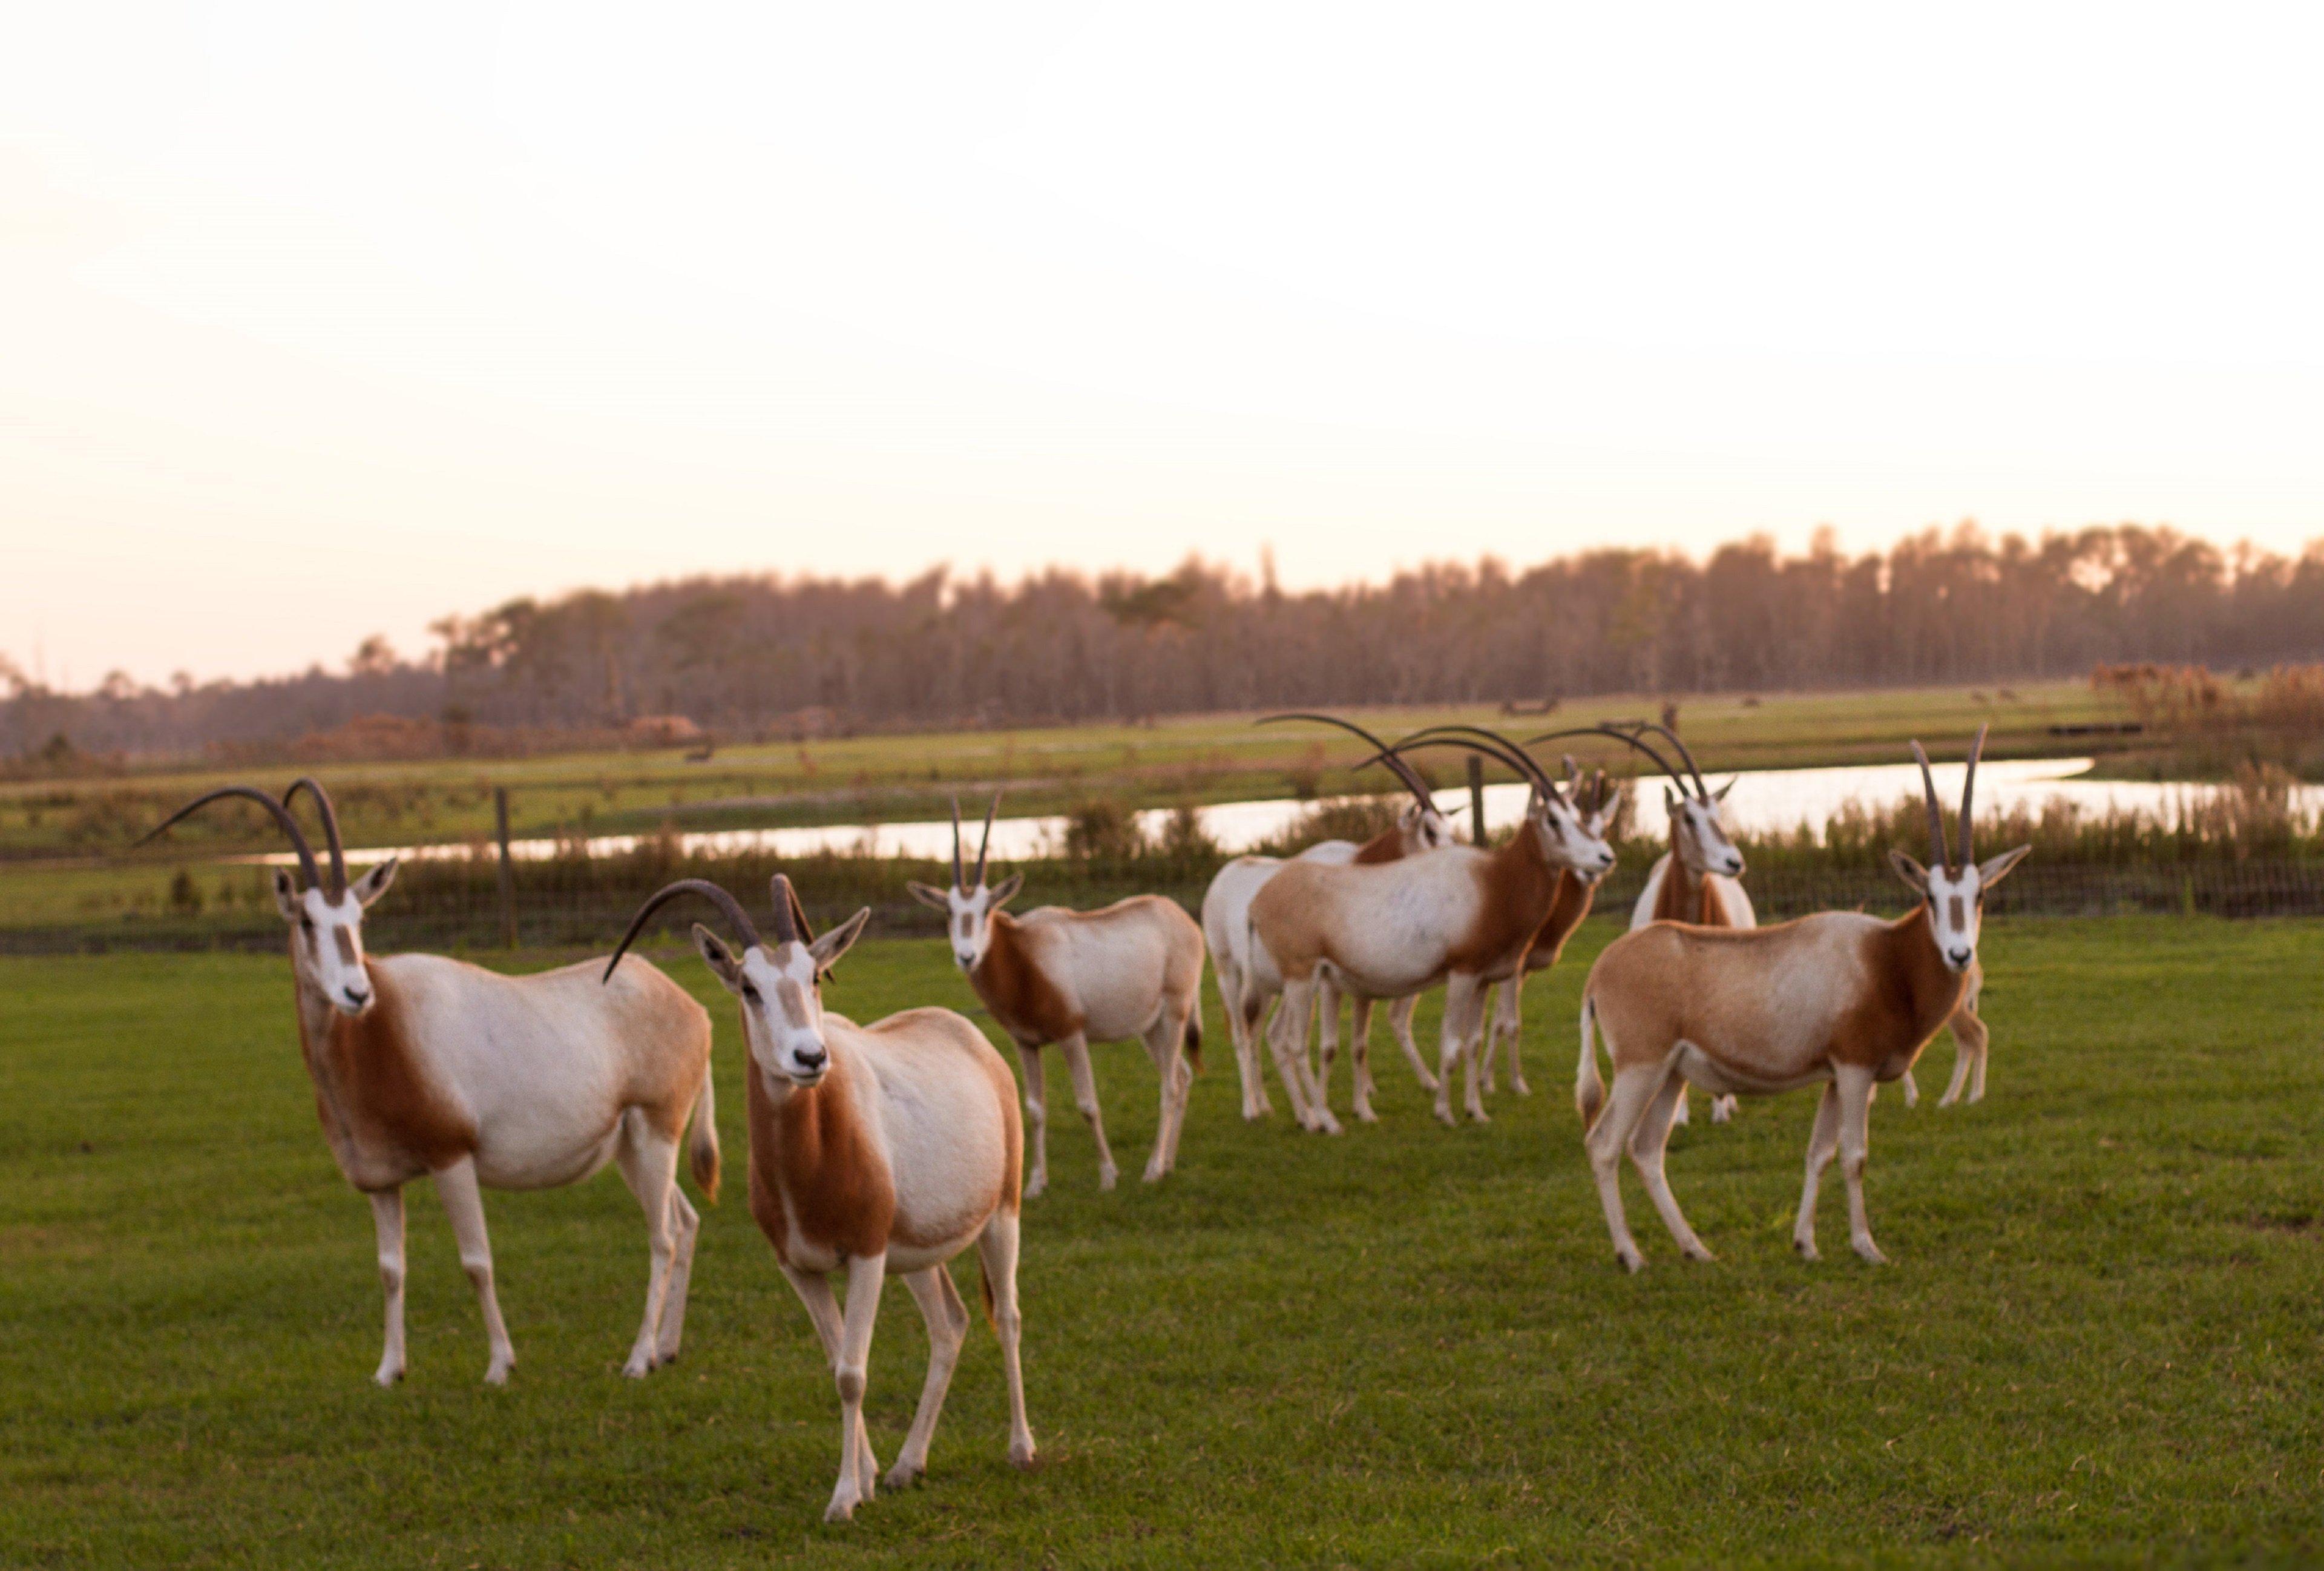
x: 387, y: 1220
x: 1359, y: 1058
x: 1327, y: 1041
x: 1823, y: 1144
x: 1464, y: 1006
x: 1229, y: 979
x: 1722, y: 1108
x: 865, y: 1274
x: 1855, y: 1086
x: 1971, y: 1040
x: 1037, y: 1116
x: 814, y: 1291
x: 1165, y: 1045
x: 1633, y: 1089
x: 456, y: 1186
x: 1400, y: 1022
x: 1077, y: 1063
x: 996, y: 1248
x: 1291, y: 1016
x: 649, y: 1164
x: 947, y: 1320
x: 1646, y: 1144
x: 686, y: 1226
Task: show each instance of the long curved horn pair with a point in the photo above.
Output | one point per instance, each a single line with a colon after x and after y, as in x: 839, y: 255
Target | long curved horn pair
x: 1941, y: 847
x: 1385, y: 753
x: 282, y: 815
x: 1477, y: 739
x: 309, y: 783
x: 1619, y: 735
x: 984, y: 846
x: 791, y: 925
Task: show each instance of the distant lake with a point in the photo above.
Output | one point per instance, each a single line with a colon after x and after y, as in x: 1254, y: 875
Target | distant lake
x: 1762, y: 800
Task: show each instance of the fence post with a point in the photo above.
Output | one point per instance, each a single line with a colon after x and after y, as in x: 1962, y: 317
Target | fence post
x: 1477, y: 799
x: 508, y: 873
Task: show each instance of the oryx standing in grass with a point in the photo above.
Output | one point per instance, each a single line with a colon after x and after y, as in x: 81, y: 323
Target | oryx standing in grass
x: 1838, y: 998
x: 1465, y: 916
x: 888, y: 1147
x: 1246, y: 978
x: 426, y: 1067
x: 1133, y: 969
x: 1597, y: 802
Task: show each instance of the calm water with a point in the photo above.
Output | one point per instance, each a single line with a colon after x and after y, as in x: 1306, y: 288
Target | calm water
x: 1761, y: 800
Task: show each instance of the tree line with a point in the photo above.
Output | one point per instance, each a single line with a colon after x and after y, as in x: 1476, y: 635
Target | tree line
x: 754, y: 655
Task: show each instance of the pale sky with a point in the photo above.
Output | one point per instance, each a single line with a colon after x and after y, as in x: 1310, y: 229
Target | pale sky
x: 318, y: 322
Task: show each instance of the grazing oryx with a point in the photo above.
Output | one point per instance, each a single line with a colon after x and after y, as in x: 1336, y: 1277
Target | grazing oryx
x: 888, y: 1147
x: 1133, y: 969
x: 1597, y: 802
x: 425, y: 1065
x: 1246, y: 980
x: 1839, y: 998
x: 1462, y: 915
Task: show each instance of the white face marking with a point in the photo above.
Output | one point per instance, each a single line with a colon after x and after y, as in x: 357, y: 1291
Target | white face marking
x: 779, y: 999
x: 1701, y: 840
x: 1423, y: 830
x: 1568, y: 842
x: 968, y: 922
x: 1953, y: 914
x: 330, y: 947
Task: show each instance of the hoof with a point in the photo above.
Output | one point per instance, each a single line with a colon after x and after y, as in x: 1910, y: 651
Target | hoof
x: 1633, y: 1263
x: 1039, y: 1182
x: 498, y: 1374
x: 637, y: 1369
x: 1480, y: 1115
x: 1871, y: 1253
x: 1107, y: 1177
x: 1024, y: 1457
x: 1806, y: 1247
x: 902, y: 1477
x: 1520, y: 1087
x: 1154, y: 1173
x: 1365, y: 1115
x: 387, y: 1376
x: 1696, y: 1252
x: 841, y: 1509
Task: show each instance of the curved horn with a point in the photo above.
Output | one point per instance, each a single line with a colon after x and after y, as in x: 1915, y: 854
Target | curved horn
x: 1619, y: 735
x: 1701, y: 791
x: 787, y: 897
x: 959, y: 879
x: 736, y: 917
x: 1969, y: 799
x: 338, y: 850
x: 1937, y: 842
x: 282, y: 815
x: 1493, y: 746
x: 1385, y: 754
x: 984, y: 846
x: 785, y: 901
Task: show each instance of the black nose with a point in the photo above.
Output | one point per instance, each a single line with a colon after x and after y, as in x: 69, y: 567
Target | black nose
x: 1961, y: 956
x: 812, y: 1060
x: 357, y: 997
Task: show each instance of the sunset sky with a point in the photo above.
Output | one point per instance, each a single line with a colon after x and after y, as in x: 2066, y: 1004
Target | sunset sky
x: 317, y: 323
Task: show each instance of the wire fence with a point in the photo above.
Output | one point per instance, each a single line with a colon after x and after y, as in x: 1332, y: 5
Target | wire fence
x: 590, y: 905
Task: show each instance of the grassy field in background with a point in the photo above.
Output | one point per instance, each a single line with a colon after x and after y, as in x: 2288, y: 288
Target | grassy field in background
x: 1408, y: 1345
x: 1197, y: 759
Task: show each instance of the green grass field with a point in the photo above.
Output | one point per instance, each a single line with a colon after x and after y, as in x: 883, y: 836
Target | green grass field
x: 2099, y: 1340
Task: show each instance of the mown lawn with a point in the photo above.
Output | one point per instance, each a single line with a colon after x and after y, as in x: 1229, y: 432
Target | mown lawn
x: 1404, y: 1346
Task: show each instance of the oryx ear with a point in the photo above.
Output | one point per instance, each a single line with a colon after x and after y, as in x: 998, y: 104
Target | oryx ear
x: 718, y: 958
x: 373, y: 884
x: 1720, y: 794
x: 1994, y: 869
x: 1008, y: 890
x: 929, y: 895
x: 286, y: 894
x: 1915, y: 876
x: 831, y: 945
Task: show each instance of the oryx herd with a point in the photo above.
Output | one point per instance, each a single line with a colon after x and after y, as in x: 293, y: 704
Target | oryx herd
x: 895, y: 1145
